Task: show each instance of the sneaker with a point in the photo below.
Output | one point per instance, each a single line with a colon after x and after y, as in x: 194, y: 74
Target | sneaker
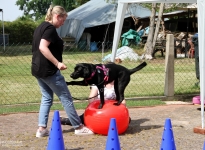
x: 84, y: 131
x: 42, y: 133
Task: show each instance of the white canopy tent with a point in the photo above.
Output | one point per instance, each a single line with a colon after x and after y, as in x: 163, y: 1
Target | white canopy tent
x: 95, y: 13
x: 122, y: 6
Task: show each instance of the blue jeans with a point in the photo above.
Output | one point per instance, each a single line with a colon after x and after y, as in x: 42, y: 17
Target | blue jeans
x: 56, y: 84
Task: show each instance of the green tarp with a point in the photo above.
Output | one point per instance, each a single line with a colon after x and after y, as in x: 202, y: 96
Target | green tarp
x: 130, y: 37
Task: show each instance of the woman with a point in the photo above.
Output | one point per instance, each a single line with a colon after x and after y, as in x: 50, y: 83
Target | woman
x: 109, y: 94
x: 47, y: 48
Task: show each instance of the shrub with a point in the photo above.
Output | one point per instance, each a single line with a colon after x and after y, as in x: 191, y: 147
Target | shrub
x: 20, y: 31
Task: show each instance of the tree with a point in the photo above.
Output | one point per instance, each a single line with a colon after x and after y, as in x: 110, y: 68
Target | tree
x: 161, y: 10
x: 148, y: 46
x: 79, y: 3
x: 67, y: 4
x: 153, y: 32
x: 37, y: 8
x: 34, y: 8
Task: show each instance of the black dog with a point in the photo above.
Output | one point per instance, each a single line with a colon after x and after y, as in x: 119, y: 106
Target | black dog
x: 100, y: 75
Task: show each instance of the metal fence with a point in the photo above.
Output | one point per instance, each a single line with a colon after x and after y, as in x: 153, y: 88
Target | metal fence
x: 18, y: 86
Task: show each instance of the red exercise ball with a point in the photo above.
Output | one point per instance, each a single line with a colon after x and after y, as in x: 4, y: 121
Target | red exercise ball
x: 98, y: 120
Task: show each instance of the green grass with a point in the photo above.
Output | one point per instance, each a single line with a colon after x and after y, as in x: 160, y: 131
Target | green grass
x: 78, y: 105
x: 18, y: 86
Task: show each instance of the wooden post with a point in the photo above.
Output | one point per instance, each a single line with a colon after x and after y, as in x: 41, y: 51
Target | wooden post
x: 169, y: 67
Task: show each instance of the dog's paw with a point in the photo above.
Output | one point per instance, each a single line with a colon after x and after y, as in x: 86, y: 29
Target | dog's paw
x: 116, y: 104
x: 100, y: 106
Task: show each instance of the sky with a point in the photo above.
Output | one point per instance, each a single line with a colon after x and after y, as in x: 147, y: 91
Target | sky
x: 10, y: 11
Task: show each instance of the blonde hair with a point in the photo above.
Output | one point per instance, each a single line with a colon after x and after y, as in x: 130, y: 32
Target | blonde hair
x: 59, y: 10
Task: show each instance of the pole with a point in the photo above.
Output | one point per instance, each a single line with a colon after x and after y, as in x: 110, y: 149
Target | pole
x: 187, y: 34
x: 1, y: 10
x: 3, y: 30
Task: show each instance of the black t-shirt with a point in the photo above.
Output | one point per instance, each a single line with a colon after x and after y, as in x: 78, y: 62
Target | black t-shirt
x: 41, y: 66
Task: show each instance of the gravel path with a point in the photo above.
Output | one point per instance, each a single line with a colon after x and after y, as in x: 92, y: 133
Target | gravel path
x: 17, y: 131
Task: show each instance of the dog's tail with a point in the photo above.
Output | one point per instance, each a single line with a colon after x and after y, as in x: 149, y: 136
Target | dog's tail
x: 142, y: 65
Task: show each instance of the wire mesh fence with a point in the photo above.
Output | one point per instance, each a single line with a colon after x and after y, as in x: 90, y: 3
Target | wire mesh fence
x: 18, y: 86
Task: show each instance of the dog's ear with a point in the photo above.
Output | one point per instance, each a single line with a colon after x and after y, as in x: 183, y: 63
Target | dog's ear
x: 87, y: 70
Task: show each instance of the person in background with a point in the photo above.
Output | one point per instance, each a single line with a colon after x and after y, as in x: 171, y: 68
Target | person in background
x: 109, y: 94
x: 46, y: 66
x: 191, y: 50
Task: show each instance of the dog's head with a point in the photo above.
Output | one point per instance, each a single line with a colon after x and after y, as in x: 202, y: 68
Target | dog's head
x: 82, y: 70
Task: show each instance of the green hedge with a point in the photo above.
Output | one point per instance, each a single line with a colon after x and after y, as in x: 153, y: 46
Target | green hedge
x: 20, y: 31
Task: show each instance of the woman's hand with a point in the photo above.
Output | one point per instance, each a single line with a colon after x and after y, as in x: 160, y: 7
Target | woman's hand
x: 61, y: 66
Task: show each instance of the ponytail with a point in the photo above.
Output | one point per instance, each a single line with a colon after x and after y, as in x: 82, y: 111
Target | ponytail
x: 49, y: 14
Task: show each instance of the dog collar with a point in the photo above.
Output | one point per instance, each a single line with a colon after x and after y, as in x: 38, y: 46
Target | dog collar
x: 91, y: 75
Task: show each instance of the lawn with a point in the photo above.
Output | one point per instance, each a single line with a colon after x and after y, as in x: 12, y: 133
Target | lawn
x: 18, y: 86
